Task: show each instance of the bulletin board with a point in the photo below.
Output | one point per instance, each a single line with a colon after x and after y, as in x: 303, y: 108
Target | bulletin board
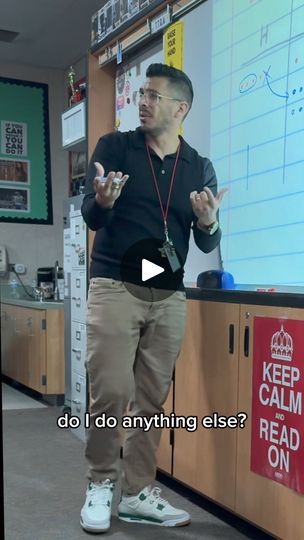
x: 25, y: 175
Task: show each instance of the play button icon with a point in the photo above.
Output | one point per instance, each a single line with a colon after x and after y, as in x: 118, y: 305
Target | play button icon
x: 150, y: 270
x: 147, y: 274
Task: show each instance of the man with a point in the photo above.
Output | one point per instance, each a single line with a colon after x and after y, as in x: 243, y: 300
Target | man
x: 162, y: 188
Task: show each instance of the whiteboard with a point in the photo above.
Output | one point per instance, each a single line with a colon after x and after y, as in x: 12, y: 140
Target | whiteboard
x: 246, y: 64
x: 257, y: 137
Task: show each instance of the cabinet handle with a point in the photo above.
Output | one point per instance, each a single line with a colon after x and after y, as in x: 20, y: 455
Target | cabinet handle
x: 76, y: 350
x: 246, y: 341
x: 16, y: 331
x: 30, y: 332
x: 76, y: 401
x: 231, y: 338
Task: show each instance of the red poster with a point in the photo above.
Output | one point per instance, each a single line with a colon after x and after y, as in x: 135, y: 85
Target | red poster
x: 277, y: 437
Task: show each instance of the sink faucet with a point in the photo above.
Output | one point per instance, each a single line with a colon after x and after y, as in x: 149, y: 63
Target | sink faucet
x: 56, y: 288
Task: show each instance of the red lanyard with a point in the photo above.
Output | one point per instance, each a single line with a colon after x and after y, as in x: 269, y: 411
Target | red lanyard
x: 164, y: 212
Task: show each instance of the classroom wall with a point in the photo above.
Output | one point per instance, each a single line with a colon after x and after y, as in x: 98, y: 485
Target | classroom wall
x: 41, y: 245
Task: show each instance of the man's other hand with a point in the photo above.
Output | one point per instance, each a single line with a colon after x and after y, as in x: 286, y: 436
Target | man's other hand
x: 108, y: 189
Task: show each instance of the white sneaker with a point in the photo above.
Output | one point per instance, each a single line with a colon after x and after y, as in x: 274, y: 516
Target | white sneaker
x: 149, y: 507
x: 95, y: 514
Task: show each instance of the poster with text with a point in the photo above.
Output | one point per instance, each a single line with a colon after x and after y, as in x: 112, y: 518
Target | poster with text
x: 13, y: 138
x: 277, y: 438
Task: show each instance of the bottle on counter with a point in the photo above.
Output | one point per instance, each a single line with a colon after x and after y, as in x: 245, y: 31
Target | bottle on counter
x: 14, y: 286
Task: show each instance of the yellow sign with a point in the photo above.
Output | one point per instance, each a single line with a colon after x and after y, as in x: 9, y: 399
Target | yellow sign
x: 174, y: 48
x: 174, y: 45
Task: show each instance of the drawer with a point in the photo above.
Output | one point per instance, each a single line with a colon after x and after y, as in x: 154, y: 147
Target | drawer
x: 79, y: 402
x: 78, y: 242
x: 78, y: 295
x: 78, y: 340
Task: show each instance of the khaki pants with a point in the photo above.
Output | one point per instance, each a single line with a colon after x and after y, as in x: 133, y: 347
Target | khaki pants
x: 132, y: 346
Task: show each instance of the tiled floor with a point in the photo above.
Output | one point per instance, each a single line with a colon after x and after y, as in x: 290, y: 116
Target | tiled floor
x: 41, y: 441
x: 13, y: 399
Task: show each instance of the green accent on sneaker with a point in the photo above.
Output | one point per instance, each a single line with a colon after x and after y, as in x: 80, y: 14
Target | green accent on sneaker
x: 142, y: 497
x: 139, y: 518
x: 160, y: 506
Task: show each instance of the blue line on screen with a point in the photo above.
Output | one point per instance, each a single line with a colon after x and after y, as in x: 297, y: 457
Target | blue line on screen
x: 260, y: 229
x: 265, y: 171
x: 253, y: 146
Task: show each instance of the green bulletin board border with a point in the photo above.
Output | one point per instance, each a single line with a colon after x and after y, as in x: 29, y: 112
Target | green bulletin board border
x: 48, y: 220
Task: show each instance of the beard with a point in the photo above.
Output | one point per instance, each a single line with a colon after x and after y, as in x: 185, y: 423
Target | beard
x: 156, y: 131
x: 153, y: 131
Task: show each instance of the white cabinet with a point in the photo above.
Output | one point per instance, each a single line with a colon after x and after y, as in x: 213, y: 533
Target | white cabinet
x: 73, y: 122
x: 78, y: 300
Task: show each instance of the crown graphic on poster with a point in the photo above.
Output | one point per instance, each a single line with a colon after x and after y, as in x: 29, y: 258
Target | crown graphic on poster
x: 281, y: 346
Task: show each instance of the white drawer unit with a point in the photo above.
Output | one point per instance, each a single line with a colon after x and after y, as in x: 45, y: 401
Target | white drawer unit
x: 75, y: 311
x: 78, y: 242
x: 79, y: 402
x: 78, y: 346
x: 78, y: 295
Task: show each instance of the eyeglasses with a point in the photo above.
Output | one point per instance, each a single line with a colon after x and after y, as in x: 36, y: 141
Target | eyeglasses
x: 151, y: 97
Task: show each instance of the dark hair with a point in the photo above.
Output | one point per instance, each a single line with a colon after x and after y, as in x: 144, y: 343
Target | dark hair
x: 177, y: 79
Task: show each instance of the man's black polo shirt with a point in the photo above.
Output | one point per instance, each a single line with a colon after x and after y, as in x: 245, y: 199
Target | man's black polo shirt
x: 136, y: 214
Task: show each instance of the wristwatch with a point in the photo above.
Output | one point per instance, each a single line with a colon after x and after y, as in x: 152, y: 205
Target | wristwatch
x: 209, y: 229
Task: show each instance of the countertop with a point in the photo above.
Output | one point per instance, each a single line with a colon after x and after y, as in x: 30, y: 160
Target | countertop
x: 280, y: 299
x: 32, y: 304
x: 283, y: 299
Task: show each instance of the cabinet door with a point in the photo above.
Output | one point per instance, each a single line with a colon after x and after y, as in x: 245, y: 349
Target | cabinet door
x: 78, y: 331
x: 11, y: 342
x: 78, y: 242
x: 164, y: 453
x: 78, y: 295
x: 21, y: 363
x: 261, y: 500
x: 14, y: 343
x: 205, y: 383
x: 6, y: 338
x: 37, y: 349
x: 54, y: 337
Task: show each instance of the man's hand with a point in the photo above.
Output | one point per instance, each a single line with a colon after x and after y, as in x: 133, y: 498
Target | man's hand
x: 107, y: 191
x: 205, y: 205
